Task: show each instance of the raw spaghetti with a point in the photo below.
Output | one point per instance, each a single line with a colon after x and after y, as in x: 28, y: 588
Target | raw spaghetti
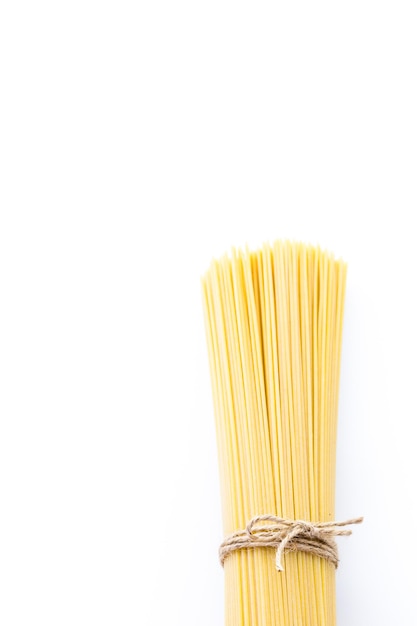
x: 274, y: 330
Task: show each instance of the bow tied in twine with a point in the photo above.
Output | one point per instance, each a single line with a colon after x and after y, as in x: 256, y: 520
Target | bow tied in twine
x: 286, y: 535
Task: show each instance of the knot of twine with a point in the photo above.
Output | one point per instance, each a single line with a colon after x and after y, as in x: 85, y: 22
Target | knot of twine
x: 286, y: 535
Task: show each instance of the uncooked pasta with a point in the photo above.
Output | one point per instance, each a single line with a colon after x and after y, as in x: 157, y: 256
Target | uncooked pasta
x: 274, y: 322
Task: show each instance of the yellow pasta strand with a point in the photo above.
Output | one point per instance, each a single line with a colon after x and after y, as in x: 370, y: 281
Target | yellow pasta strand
x: 274, y: 331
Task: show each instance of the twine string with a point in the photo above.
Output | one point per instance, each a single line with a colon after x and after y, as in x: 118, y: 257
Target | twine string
x: 286, y: 535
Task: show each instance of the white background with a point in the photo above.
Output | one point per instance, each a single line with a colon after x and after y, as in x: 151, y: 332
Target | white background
x: 138, y: 140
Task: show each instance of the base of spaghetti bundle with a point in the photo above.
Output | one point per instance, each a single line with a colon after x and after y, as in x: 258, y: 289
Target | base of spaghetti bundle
x: 287, y: 535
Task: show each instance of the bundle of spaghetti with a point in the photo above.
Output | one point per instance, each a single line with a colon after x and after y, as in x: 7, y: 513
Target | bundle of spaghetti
x: 274, y: 331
